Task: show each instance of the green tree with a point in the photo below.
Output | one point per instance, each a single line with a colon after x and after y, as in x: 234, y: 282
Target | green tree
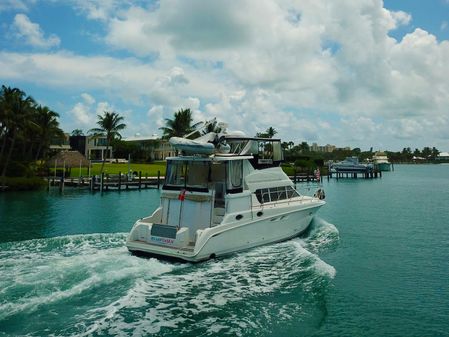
x: 16, y: 109
x: 180, y: 125
x: 304, y: 147
x: 269, y: 133
x: 110, y: 125
x: 77, y: 132
x: 47, y: 129
x: 426, y: 152
x: 435, y: 153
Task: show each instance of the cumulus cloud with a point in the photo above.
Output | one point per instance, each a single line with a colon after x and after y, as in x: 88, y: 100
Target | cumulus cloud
x: 290, y: 64
x: 7, y: 5
x: 98, y: 9
x: 88, y: 99
x: 32, y: 34
x: 84, y: 113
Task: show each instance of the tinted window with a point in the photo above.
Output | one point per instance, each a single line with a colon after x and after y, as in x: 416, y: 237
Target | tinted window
x: 275, y: 194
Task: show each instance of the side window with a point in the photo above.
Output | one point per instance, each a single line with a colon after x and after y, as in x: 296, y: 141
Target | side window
x: 291, y: 193
x: 259, y: 195
x: 263, y: 195
x: 266, y: 195
x: 275, y: 194
x: 282, y: 194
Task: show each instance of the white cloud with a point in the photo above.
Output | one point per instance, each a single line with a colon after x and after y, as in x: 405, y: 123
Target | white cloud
x: 400, y: 18
x: 98, y: 9
x: 155, y: 115
x: 32, y: 34
x: 16, y: 5
x: 88, y: 99
x: 82, y: 115
x: 102, y: 107
x: 289, y: 64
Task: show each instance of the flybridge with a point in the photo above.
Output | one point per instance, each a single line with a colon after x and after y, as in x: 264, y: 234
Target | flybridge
x: 266, y: 152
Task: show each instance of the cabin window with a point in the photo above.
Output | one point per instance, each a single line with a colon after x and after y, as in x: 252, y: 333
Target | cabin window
x: 192, y: 175
x: 291, y: 192
x: 175, y: 175
x: 218, y: 172
x: 197, y: 174
x: 274, y: 194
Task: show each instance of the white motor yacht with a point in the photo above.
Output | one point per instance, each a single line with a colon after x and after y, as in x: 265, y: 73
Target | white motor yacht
x: 380, y: 160
x: 223, y: 199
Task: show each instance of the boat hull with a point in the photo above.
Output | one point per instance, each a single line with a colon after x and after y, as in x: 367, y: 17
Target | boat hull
x: 229, y: 238
x: 384, y: 167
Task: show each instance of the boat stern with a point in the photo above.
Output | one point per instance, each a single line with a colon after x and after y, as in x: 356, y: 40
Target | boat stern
x: 161, y: 240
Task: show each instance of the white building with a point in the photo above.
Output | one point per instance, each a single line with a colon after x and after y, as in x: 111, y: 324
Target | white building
x: 322, y: 148
x: 96, y: 148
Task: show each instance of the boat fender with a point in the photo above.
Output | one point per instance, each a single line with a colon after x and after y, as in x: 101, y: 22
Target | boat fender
x: 320, y: 194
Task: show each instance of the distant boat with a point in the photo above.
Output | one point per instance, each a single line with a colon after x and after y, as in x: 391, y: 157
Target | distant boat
x: 351, y: 164
x: 381, y: 162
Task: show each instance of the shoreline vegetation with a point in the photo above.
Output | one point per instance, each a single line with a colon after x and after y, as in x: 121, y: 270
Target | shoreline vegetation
x: 28, y: 129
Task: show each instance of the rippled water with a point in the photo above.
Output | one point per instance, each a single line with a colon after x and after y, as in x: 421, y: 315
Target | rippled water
x: 90, y: 285
x: 374, y: 263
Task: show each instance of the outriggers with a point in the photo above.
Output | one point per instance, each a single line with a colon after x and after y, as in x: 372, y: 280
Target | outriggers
x: 223, y: 193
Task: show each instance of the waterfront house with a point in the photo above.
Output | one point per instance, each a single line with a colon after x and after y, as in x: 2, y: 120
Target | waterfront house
x: 443, y: 156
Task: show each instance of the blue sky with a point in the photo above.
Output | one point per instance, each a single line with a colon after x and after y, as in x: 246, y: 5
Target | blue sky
x: 365, y: 73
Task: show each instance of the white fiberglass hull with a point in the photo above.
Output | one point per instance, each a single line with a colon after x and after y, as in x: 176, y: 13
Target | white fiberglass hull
x: 258, y: 227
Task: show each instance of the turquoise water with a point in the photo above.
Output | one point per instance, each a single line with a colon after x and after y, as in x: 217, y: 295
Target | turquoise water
x: 374, y: 263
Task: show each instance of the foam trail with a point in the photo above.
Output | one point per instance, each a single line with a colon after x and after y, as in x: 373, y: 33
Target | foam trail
x: 106, y: 291
x: 321, y: 236
x: 42, y: 272
x: 211, y: 290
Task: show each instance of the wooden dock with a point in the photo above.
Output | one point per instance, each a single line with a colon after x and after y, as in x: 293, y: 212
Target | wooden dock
x: 107, y: 182
x: 364, y: 174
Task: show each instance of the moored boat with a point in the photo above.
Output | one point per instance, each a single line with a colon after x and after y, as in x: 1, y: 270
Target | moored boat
x: 214, y: 204
x: 351, y: 164
x: 380, y: 161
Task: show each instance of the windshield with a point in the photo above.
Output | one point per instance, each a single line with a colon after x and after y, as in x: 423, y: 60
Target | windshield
x: 187, y: 174
x: 201, y: 175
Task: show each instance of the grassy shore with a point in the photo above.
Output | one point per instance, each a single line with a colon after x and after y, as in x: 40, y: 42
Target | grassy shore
x: 150, y: 170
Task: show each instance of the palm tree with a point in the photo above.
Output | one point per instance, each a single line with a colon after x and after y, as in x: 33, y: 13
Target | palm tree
x: 77, y: 132
x: 47, y: 129
x: 109, y: 126
x: 16, y: 108
x: 269, y: 133
x: 180, y: 125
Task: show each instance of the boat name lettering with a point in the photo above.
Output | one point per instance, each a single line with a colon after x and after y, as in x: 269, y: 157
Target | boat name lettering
x: 162, y: 240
